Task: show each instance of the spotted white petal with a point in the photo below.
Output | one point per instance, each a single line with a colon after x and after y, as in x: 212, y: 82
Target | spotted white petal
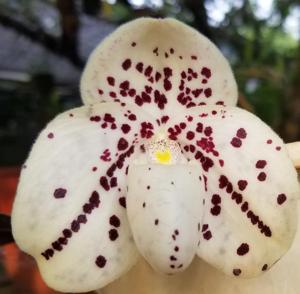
x: 70, y: 208
x: 165, y: 211
x: 161, y: 65
x: 250, y: 188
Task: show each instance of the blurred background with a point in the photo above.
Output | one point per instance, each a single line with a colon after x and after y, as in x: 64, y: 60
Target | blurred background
x: 44, y: 45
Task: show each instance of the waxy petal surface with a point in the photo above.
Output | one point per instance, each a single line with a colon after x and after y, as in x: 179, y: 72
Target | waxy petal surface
x: 250, y: 185
x: 70, y: 208
x: 165, y: 213
x: 161, y: 65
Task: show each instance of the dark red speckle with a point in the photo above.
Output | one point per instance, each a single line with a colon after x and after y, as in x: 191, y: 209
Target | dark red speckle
x: 50, y: 136
x: 243, y: 249
x: 114, y: 221
x: 100, y: 261
x: 59, y: 193
x: 236, y: 142
x: 207, y: 235
x: 111, y: 81
x: 281, y: 198
x: 264, y: 268
x: 237, y: 272
x: 261, y: 164
x: 207, y: 92
x: 206, y: 72
x: 104, y: 183
x: 216, y: 199
x: 242, y: 184
x: 215, y: 210
x: 126, y: 64
x: 122, y: 201
x: 241, y: 133
x: 262, y: 176
x: 122, y: 144
x: 190, y: 135
x: 113, y: 234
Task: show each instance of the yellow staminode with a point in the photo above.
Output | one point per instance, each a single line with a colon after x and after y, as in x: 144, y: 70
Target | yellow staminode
x: 161, y: 150
x: 163, y: 157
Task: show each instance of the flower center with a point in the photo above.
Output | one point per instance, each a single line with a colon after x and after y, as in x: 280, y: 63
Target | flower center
x: 161, y: 150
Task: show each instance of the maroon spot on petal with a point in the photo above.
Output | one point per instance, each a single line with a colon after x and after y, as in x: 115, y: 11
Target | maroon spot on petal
x: 199, y: 128
x: 63, y: 241
x: 204, y: 227
x: 114, y: 221
x: 241, y: 133
x: 265, y: 267
x: 262, y: 176
x: 208, y: 131
x: 261, y: 164
x: 48, y: 254
x: 113, y: 234
x: 190, y: 135
x: 223, y: 181
x: 94, y: 168
x: 50, y: 136
x: 57, y: 246
x: 206, y: 72
x: 281, y: 198
x: 113, y: 182
x: 126, y: 64
x: 236, y: 272
x: 67, y: 233
x: 100, y: 261
x: 236, y: 142
x: 207, y: 235
x: 87, y: 208
x: 269, y: 141
x: 156, y: 222
x: 216, y: 199
x: 122, y: 201
x: 176, y: 248
x: 59, y: 193
x: 111, y: 81
x: 139, y: 67
x: 278, y: 148
x: 215, y: 210
x: 82, y: 219
x: 94, y: 199
x: 122, y: 144
x: 194, y: 57
x: 104, y: 183
x: 132, y: 117
x: 75, y: 226
x: 207, y: 92
x: 245, y: 206
x: 173, y: 258
x: 242, y: 184
x: 243, y: 249
x: 133, y: 44
x: 144, y: 204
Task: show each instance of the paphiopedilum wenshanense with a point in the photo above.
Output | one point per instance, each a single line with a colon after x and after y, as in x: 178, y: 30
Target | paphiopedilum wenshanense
x: 158, y: 162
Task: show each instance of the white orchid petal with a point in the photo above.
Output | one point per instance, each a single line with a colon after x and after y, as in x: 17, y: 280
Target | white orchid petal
x: 165, y: 211
x: 162, y: 65
x: 69, y: 212
x: 251, y: 188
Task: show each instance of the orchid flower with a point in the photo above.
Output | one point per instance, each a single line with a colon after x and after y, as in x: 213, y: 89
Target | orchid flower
x: 158, y: 162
